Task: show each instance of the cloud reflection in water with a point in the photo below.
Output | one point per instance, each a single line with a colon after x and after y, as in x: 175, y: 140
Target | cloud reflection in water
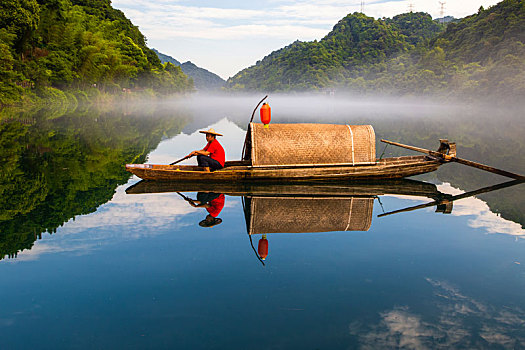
x: 462, y: 322
x: 483, y: 216
x: 125, y: 217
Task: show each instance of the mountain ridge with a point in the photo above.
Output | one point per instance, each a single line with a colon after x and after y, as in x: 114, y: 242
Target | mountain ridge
x: 203, y: 79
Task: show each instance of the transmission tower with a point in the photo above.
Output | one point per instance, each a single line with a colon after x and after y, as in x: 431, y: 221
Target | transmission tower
x: 411, y: 7
x: 362, y: 6
x: 442, y: 11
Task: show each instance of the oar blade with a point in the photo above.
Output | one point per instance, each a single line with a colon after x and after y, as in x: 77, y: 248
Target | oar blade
x: 449, y: 158
x: 487, y: 168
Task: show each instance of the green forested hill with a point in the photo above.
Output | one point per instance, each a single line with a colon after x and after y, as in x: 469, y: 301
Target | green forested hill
x: 486, y: 51
x: 417, y: 27
x: 355, y: 44
x: 203, y: 79
x: 49, y: 46
x: 488, y: 35
x: 165, y: 58
x: 408, y: 54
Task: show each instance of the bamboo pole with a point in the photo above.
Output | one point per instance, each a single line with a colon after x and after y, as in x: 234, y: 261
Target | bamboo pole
x: 447, y: 158
x: 243, y: 156
x: 180, y: 160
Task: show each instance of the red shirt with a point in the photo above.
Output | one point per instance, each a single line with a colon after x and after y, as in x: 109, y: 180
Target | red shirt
x: 216, y: 151
x: 216, y: 206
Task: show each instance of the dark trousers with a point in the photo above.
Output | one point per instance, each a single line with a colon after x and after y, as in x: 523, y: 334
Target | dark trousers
x: 206, y: 197
x: 206, y: 161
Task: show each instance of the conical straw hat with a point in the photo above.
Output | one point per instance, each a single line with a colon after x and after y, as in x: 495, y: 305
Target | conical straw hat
x: 210, y: 131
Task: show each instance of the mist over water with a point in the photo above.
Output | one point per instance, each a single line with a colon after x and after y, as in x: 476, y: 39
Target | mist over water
x: 341, y: 108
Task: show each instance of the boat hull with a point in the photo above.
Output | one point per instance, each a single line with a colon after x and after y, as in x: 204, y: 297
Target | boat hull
x: 388, y: 168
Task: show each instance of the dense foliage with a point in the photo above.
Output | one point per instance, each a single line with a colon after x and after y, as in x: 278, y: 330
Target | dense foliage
x: 76, y: 45
x: 408, y: 54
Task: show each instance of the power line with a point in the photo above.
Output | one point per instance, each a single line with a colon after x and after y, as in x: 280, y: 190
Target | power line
x: 442, y: 11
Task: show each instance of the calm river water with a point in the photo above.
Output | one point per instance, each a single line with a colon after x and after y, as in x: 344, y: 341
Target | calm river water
x: 84, y: 264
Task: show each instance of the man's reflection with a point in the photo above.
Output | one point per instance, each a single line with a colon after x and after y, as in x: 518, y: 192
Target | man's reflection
x: 213, y: 202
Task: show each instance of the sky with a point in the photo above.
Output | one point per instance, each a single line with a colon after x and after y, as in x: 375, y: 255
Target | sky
x: 228, y: 36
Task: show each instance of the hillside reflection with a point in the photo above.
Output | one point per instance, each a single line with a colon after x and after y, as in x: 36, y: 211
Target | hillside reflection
x: 56, y: 167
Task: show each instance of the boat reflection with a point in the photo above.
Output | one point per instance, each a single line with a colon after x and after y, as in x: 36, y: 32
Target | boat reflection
x: 302, y: 208
x: 332, y: 189
x: 444, y: 204
x: 296, y: 208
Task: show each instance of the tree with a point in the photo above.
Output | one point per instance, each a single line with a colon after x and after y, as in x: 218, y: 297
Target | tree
x: 21, y: 18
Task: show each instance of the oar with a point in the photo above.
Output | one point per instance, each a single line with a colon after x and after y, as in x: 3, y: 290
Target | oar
x: 447, y: 158
x: 180, y: 160
x: 449, y: 199
x: 185, y: 198
x: 189, y: 200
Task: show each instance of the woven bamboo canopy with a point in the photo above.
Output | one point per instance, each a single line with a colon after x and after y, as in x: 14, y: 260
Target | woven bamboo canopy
x: 311, y: 144
x: 298, y: 215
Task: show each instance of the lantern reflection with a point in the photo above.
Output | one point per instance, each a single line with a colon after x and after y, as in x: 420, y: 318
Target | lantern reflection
x: 262, y: 248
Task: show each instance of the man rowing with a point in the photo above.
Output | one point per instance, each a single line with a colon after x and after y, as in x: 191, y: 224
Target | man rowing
x: 212, y: 156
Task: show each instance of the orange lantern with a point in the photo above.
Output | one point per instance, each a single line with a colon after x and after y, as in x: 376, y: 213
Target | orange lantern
x: 262, y: 248
x: 266, y: 114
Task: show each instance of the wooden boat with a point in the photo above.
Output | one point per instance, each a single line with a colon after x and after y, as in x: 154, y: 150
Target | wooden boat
x: 303, y: 152
x: 388, y: 168
x: 313, y: 152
